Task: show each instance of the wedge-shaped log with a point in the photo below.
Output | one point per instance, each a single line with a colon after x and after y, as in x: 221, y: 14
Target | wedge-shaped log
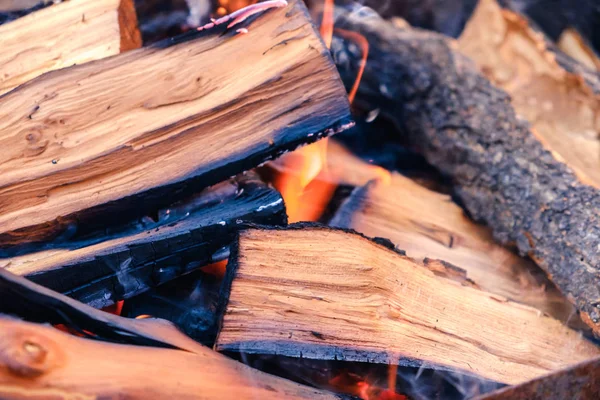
x: 73, y: 32
x: 323, y: 293
x: 117, y: 134
x: 467, y: 128
x: 561, y: 105
x: 184, y: 238
x: 428, y: 224
x: 41, y: 362
x: 580, y: 382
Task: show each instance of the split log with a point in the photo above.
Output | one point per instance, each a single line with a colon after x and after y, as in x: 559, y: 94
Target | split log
x: 317, y: 292
x: 109, y: 138
x: 73, y: 32
x: 468, y: 129
x: 574, y: 45
x: 39, y: 362
x: 579, y: 382
x: 33, y: 302
x: 427, y: 224
x: 184, y: 238
x: 560, y: 105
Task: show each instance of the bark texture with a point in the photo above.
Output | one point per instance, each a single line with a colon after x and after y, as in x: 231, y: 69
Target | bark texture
x: 468, y: 129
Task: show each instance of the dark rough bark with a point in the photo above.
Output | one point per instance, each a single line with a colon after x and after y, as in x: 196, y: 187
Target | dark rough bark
x: 580, y: 382
x: 186, y: 237
x: 467, y: 128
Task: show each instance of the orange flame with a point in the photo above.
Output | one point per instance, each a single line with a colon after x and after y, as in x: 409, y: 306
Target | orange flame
x: 353, y: 384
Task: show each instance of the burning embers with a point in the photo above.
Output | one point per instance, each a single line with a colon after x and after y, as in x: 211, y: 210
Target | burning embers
x: 121, y: 201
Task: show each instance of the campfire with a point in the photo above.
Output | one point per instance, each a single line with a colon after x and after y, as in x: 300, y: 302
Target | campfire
x: 299, y: 200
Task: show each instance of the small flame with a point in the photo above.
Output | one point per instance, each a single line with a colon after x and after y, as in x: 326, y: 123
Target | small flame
x: 116, y: 308
x: 217, y: 269
x: 355, y: 385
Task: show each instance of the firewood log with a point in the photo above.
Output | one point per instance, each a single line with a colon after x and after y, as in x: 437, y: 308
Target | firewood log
x: 317, y: 292
x: 102, y: 270
x: 427, y: 224
x: 579, y: 382
x: 40, y: 362
x: 58, y: 36
x: 96, y: 141
x: 467, y: 128
x: 560, y: 105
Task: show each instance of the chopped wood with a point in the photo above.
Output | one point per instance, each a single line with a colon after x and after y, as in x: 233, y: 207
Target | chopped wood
x: 73, y: 32
x: 579, y: 382
x: 560, y: 105
x: 574, y: 45
x: 38, y: 361
x: 468, y: 129
x: 185, y: 237
x: 34, y: 302
x: 428, y: 224
x: 318, y: 292
x: 95, y: 141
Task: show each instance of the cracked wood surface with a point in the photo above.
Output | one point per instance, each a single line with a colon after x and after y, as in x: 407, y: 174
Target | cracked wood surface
x: 58, y: 36
x: 428, y: 224
x: 467, y: 128
x: 318, y: 292
x: 102, y: 270
x: 40, y: 362
x: 89, y: 142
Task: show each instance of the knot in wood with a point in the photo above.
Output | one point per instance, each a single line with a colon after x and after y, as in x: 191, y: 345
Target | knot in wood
x: 25, y: 355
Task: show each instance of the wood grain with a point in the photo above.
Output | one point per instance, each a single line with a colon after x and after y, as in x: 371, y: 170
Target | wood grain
x: 104, y: 269
x: 502, y: 174
x: 40, y: 362
x: 73, y: 32
x: 322, y: 293
x: 428, y: 224
x: 121, y: 132
x: 561, y: 106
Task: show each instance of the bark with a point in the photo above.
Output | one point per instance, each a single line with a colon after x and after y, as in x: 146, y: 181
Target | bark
x: 317, y: 292
x: 468, y: 129
x: 93, y: 142
x: 427, y: 224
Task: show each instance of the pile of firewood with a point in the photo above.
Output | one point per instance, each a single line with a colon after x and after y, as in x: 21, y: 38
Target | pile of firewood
x: 133, y: 170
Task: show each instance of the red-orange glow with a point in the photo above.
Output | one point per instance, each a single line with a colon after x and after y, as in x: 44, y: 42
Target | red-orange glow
x: 217, y: 269
x: 116, y: 308
x: 327, y: 23
x: 301, y: 183
x: 143, y: 316
x: 362, y: 42
x: 355, y: 385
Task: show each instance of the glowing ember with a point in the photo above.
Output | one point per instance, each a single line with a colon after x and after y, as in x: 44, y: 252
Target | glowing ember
x: 116, y: 308
x: 217, y: 269
x: 355, y: 385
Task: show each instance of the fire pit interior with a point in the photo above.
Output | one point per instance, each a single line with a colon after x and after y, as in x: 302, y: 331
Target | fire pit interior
x: 234, y: 199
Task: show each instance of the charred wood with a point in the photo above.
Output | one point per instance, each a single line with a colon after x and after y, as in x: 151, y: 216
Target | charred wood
x: 317, y: 292
x: 468, y: 129
x: 186, y: 236
x: 161, y: 120
x: 36, y: 43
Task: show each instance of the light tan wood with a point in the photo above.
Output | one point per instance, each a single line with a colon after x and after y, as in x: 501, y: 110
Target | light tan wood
x: 40, y: 362
x: 562, y: 108
x: 573, y: 44
x: 324, y: 293
x: 202, y: 109
x: 428, y: 224
x: 73, y: 32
